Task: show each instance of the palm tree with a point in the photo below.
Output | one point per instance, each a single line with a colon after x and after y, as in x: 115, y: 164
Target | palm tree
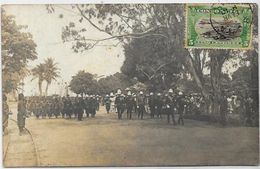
x: 51, y: 72
x: 39, y: 72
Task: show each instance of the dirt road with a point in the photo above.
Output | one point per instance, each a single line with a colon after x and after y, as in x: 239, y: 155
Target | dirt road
x: 106, y: 141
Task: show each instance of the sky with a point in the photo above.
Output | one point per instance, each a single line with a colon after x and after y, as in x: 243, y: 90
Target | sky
x: 46, y: 30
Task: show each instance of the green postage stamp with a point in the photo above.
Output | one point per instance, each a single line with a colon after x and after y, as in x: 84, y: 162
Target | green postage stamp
x: 221, y: 26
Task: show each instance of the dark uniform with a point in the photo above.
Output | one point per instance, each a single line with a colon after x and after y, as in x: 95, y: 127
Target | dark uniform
x: 181, y: 104
x: 56, y: 107
x: 151, y: 103
x: 68, y: 107
x: 107, y: 101
x: 120, y: 105
x: 5, y: 113
x: 158, y: 106
x: 170, y: 108
x: 80, y: 108
x: 140, y: 101
x: 92, y: 106
x: 87, y: 107
x: 129, y: 106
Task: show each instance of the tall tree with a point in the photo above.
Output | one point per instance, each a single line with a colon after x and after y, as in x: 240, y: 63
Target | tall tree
x: 125, y: 22
x: 18, y: 48
x: 38, y: 73
x: 51, y: 72
x: 84, y: 83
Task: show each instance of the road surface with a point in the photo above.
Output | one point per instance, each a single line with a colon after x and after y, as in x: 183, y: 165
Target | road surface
x: 106, y: 141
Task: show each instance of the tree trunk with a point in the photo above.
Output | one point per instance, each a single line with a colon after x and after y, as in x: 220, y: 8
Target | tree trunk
x: 46, y: 89
x: 217, y: 97
x: 40, y: 86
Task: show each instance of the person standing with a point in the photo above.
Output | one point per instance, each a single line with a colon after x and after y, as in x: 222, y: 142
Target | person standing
x: 181, y: 108
x: 172, y: 105
x: 21, y: 115
x: 80, y: 108
x: 92, y: 106
x: 119, y: 102
x: 158, y: 105
x: 129, y: 105
x: 151, y: 103
x: 5, y: 113
x: 107, y: 101
x: 140, y: 105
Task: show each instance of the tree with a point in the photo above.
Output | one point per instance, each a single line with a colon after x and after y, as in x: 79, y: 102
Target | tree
x: 147, y: 59
x: 125, y: 22
x: 38, y: 72
x: 51, y: 72
x: 18, y: 48
x: 113, y: 82
x: 83, y: 83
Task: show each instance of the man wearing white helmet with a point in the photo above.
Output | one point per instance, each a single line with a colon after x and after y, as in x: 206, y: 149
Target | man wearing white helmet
x: 140, y: 104
x: 151, y: 103
x: 120, y: 104
x: 172, y: 107
x: 181, y: 107
x: 129, y: 100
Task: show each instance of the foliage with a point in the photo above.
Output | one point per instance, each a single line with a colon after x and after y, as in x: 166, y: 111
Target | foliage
x: 46, y: 71
x: 18, y: 48
x: 84, y: 83
x: 113, y: 82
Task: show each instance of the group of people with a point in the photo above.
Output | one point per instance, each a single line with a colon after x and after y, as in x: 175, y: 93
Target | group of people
x: 155, y: 104
x: 169, y: 103
x: 66, y: 107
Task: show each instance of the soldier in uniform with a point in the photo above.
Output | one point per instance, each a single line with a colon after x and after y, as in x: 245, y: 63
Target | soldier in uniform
x: 87, y: 107
x: 181, y: 107
x: 107, y: 102
x: 119, y: 103
x: 172, y: 107
x: 129, y: 105
x: 50, y: 107
x: 21, y: 115
x: 5, y: 113
x: 80, y: 108
x: 140, y: 101
x: 44, y: 108
x: 92, y: 106
x: 97, y: 102
x: 158, y: 105
x: 68, y: 107
x: 151, y: 103
x: 56, y: 108
x: 63, y: 111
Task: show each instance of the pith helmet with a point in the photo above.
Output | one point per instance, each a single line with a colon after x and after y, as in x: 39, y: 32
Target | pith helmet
x: 170, y: 91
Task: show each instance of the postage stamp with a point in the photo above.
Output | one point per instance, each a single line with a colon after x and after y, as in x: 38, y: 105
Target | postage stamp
x: 223, y: 26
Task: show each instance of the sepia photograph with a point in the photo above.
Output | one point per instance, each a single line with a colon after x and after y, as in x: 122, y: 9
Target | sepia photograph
x: 130, y: 84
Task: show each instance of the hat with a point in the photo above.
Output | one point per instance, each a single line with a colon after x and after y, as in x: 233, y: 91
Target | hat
x: 141, y: 92
x: 107, y: 95
x: 180, y: 93
x: 111, y: 94
x: 159, y: 94
x: 151, y: 93
x: 129, y: 93
x: 170, y: 91
x: 127, y: 89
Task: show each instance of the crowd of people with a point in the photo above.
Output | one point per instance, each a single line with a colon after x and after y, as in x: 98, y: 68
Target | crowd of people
x: 154, y: 104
